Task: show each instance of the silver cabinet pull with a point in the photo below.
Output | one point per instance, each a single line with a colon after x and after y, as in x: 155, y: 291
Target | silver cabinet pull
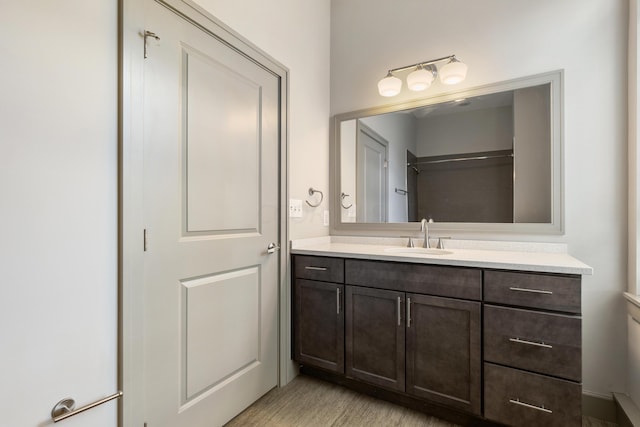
x: 537, y: 344
x: 399, y: 314
x: 66, y: 407
x: 534, y: 291
x: 408, y: 312
x: 273, y: 247
x: 337, y: 300
x: 528, y: 405
x: 316, y: 268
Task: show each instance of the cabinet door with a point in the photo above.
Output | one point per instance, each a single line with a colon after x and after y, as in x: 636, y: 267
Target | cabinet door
x: 375, y: 336
x: 319, y: 324
x: 443, y: 351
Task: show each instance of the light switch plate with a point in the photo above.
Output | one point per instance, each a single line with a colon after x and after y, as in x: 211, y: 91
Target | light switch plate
x: 295, y: 208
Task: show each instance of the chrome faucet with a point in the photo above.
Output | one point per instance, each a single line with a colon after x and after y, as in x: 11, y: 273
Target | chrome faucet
x: 425, y: 228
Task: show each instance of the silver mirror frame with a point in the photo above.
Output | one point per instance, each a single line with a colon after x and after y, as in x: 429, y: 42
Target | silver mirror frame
x: 555, y: 227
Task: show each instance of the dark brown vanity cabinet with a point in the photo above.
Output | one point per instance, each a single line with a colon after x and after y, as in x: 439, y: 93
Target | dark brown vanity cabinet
x: 532, y: 349
x: 451, y: 336
x: 318, y: 317
x: 407, y: 328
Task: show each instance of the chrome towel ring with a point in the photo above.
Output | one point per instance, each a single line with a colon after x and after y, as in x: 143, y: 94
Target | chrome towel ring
x: 342, y: 197
x: 312, y: 191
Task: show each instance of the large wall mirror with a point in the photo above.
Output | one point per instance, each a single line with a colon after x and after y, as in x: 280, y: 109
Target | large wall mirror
x: 486, y: 159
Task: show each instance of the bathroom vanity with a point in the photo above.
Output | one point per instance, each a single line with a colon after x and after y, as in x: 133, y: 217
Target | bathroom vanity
x: 467, y: 334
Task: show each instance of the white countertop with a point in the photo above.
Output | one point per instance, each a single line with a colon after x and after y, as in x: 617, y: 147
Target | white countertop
x: 522, y: 256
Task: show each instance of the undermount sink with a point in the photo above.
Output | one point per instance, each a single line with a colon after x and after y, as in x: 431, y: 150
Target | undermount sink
x: 418, y: 251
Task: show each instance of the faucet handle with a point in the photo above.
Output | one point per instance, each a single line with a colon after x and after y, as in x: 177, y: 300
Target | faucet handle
x: 410, y: 243
x: 441, y: 243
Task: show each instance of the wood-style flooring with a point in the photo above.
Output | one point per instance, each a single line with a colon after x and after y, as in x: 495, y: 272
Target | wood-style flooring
x: 310, y: 402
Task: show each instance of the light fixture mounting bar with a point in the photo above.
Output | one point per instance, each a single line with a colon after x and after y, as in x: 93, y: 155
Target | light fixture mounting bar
x: 432, y: 61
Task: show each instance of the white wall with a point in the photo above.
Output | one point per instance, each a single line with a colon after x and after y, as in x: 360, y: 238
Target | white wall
x: 296, y: 34
x: 506, y: 39
x: 58, y: 205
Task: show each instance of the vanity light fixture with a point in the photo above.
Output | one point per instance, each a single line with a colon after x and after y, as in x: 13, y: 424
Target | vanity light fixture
x: 423, y: 74
x: 390, y: 85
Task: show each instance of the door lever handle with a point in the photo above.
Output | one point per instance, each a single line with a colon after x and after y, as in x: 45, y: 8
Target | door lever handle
x: 272, y: 248
x: 67, y: 407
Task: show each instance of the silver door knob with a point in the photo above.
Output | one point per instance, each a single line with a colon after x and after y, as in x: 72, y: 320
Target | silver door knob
x: 272, y: 248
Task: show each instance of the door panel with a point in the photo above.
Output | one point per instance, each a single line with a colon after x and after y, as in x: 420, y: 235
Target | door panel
x: 58, y: 205
x: 222, y: 145
x: 240, y: 291
x: 211, y: 198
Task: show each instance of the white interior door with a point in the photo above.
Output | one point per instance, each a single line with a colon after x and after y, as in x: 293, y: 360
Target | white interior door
x: 211, y: 208
x: 371, y: 175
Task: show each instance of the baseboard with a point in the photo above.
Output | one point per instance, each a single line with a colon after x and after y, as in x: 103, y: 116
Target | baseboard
x: 628, y: 411
x: 598, y: 406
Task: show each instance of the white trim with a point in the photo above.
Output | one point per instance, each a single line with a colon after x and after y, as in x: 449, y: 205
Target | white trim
x: 633, y: 305
x: 633, y: 152
x: 629, y: 409
x: 598, y: 405
x: 633, y: 299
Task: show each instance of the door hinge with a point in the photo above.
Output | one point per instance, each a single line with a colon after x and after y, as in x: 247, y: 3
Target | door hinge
x: 148, y: 34
x: 144, y: 240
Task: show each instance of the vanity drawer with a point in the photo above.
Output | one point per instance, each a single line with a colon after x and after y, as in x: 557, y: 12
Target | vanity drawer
x: 521, y: 398
x: 546, y: 343
x: 550, y: 292
x: 451, y: 282
x: 323, y: 269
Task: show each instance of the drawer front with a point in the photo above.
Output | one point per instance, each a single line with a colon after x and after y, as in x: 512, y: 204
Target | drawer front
x: 518, y: 398
x: 546, y: 343
x: 550, y: 292
x: 324, y: 269
x: 451, y: 282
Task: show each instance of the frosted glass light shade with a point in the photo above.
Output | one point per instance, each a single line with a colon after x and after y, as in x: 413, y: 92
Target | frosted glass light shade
x: 420, y: 79
x: 389, y: 86
x: 453, y: 72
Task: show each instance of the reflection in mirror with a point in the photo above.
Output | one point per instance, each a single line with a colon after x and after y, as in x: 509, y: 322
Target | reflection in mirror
x: 484, y: 156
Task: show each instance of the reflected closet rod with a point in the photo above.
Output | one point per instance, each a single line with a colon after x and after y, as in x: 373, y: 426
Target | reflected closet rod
x: 459, y: 159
